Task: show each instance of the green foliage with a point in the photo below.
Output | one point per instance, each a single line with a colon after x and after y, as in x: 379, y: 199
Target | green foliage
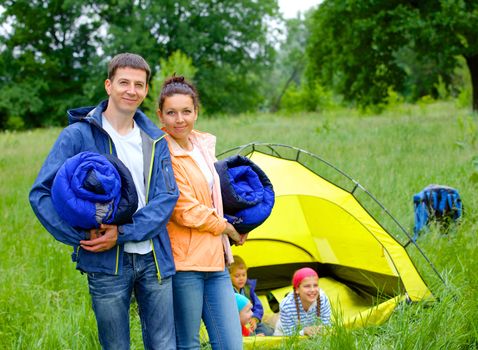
x: 468, y: 126
x: 293, y: 100
x: 352, y: 48
x: 469, y: 131
x: 46, y: 55
x: 53, y: 53
x: 178, y: 63
x: 224, y: 88
x: 360, y: 49
x: 289, y: 64
x: 441, y: 89
x: 229, y: 43
x: 306, y: 97
x: 464, y: 98
x: 462, y: 84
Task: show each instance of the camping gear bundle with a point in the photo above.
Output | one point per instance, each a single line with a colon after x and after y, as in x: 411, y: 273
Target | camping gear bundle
x: 438, y: 203
x: 247, y: 193
x: 90, y: 189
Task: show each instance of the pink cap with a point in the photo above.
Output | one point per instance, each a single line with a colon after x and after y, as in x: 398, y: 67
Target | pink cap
x: 300, y: 274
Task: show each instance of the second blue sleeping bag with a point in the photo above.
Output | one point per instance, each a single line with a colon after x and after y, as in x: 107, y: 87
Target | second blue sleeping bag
x: 247, y: 193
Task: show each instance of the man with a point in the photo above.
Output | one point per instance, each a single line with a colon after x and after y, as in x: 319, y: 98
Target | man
x: 132, y: 257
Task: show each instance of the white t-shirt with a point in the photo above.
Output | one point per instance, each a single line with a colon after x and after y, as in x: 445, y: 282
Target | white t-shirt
x: 129, y: 151
x: 201, y: 162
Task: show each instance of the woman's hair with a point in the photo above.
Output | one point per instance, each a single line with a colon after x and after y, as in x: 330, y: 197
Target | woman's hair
x: 128, y: 60
x: 178, y: 85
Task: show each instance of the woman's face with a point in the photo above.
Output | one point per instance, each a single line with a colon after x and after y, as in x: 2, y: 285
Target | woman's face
x: 308, y: 291
x: 178, y: 117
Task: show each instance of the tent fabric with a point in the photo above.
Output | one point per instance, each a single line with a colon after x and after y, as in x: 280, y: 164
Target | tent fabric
x: 247, y: 193
x: 90, y: 189
x: 314, y: 213
x: 365, y: 270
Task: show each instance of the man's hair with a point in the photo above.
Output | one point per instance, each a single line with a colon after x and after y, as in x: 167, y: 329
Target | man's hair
x: 128, y: 60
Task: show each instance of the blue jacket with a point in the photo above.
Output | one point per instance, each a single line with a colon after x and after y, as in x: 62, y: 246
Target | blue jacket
x: 85, y: 133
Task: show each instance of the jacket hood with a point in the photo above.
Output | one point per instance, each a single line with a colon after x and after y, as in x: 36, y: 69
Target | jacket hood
x: 93, y: 115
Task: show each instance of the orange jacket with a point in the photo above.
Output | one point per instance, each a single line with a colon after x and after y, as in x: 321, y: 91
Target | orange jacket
x: 197, y: 222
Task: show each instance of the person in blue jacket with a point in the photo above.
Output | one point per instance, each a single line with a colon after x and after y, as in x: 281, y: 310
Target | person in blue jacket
x: 132, y: 257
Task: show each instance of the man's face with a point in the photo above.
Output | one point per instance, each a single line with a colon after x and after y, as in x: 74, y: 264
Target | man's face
x: 126, y: 90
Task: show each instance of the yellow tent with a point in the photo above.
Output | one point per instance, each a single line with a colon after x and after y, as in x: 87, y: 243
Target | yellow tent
x: 364, y: 270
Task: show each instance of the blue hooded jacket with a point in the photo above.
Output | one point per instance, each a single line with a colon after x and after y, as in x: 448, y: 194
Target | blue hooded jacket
x: 85, y: 133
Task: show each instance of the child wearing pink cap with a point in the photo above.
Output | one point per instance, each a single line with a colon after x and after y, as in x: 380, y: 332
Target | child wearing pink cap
x: 307, y: 309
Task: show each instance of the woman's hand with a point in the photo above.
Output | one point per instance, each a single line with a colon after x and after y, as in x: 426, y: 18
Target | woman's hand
x: 234, y: 235
x: 243, y: 238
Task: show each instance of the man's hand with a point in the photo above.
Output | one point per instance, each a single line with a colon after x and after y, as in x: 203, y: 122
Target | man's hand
x: 101, y: 240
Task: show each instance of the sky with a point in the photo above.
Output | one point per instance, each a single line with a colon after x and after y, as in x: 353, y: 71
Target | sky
x: 290, y: 7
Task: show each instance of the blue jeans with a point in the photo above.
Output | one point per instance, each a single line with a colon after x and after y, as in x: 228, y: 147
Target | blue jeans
x: 111, y: 297
x: 206, y: 295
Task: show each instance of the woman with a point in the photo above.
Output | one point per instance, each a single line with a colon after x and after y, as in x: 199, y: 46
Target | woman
x: 307, y: 309
x: 199, y: 234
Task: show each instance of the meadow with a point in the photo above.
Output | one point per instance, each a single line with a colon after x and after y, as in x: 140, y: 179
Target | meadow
x: 44, y: 301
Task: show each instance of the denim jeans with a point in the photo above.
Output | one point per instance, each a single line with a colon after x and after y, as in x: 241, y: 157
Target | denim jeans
x: 210, y: 296
x: 111, y: 297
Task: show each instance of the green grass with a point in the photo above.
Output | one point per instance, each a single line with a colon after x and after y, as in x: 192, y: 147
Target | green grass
x: 44, y: 301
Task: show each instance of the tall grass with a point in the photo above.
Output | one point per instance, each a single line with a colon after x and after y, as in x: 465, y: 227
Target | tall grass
x: 44, y: 301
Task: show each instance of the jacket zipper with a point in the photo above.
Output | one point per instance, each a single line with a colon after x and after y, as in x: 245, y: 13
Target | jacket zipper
x: 117, y: 246
x: 147, y: 199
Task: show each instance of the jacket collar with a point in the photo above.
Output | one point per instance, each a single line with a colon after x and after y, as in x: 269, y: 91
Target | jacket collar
x: 198, y: 138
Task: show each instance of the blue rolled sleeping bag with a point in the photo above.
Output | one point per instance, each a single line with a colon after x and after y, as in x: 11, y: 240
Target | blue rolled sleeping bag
x: 247, y: 193
x: 90, y: 189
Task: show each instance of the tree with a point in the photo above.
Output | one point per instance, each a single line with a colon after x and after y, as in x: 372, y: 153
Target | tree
x: 46, y: 56
x: 355, y: 45
x: 178, y: 63
x: 54, y: 52
x: 228, y: 41
x: 290, y: 60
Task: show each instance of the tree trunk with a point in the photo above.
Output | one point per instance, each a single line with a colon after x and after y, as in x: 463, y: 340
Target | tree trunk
x: 276, y: 105
x: 472, y: 63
